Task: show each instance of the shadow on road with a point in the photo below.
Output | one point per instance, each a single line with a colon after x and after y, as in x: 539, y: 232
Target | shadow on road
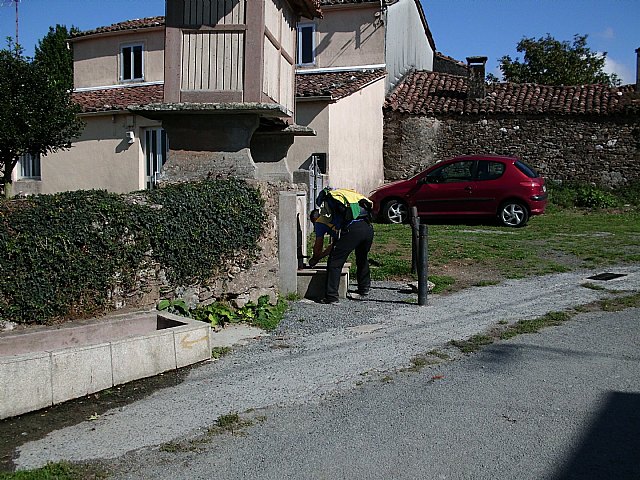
x: 610, y: 449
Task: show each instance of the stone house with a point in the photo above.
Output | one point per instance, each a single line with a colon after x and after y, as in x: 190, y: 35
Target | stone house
x: 588, y: 133
x: 210, y: 89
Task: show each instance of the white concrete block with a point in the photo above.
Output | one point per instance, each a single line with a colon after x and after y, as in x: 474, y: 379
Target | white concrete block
x: 76, y: 372
x: 25, y: 383
x: 192, y: 344
x: 140, y: 357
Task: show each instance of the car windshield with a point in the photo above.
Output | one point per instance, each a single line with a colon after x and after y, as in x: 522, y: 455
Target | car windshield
x: 526, y: 169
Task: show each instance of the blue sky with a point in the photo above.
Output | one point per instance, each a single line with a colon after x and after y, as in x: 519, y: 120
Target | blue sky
x: 460, y: 28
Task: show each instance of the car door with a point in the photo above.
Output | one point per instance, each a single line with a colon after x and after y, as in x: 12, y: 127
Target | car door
x: 446, y: 189
x: 488, y: 187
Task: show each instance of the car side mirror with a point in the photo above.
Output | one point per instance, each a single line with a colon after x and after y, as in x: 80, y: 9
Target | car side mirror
x: 423, y: 181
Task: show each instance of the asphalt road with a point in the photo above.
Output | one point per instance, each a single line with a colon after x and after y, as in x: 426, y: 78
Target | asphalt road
x: 328, y: 397
x: 561, y: 404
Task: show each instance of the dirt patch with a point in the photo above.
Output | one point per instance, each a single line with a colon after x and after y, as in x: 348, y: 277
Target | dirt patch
x: 467, y: 274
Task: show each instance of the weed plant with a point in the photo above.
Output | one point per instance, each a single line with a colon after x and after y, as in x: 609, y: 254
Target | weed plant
x: 262, y: 314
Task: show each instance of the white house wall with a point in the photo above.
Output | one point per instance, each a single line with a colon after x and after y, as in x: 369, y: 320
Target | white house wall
x: 407, y: 43
x: 97, y: 64
x: 101, y: 158
x: 348, y: 37
x: 316, y: 116
x: 355, y: 140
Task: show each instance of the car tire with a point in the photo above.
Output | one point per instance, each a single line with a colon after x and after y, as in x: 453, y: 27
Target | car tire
x: 395, y: 211
x: 513, y: 214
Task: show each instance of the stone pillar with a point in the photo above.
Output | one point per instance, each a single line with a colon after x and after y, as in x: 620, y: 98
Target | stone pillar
x: 203, y: 146
x: 292, y: 238
x: 269, y: 152
x: 288, y: 218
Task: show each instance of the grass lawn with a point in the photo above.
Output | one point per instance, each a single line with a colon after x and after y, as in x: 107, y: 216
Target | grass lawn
x: 464, y: 255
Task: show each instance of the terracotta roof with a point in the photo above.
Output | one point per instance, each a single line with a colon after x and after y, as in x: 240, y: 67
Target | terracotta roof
x: 110, y: 99
x: 431, y: 93
x: 336, y: 85
x: 136, y: 24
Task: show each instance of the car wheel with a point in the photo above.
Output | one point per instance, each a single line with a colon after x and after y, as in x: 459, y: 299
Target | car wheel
x: 513, y: 214
x: 395, y: 212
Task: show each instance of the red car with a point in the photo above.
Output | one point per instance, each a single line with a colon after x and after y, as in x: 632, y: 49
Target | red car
x: 477, y: 186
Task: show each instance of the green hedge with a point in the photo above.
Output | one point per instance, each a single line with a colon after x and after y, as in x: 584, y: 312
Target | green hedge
x: 61, y: 254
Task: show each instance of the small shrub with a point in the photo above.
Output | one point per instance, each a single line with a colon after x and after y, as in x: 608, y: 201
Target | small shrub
x: 589, y: 196
x: 561, y: 194
x: 629, y: 194
x: 262, y: 314
x: 582, y: 195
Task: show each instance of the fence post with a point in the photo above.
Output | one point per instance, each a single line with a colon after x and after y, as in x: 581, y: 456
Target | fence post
x: 423, y: 265
x: 415, y: 225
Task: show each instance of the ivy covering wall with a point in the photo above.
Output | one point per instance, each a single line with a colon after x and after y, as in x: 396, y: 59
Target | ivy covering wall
x: 61, y: 256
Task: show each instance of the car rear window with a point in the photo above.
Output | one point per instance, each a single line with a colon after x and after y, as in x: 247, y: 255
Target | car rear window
x: 526, y: 169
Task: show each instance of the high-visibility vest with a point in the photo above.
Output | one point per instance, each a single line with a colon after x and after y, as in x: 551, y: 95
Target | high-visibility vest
x: 352, y: 204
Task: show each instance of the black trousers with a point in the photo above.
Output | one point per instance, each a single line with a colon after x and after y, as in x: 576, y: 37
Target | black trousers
x: 357, y: 236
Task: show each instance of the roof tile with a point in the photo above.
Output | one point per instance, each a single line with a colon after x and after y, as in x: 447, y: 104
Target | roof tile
x: 114, y: 99
x: 148, y: 22
x: 421, y: 93
x: 336, y: 85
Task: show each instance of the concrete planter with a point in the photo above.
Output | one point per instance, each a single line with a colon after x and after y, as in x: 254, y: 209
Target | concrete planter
x: 51, y: 365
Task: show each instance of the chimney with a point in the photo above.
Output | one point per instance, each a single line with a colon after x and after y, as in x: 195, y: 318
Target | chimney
x: 637, y: 70
x: 477, y: 86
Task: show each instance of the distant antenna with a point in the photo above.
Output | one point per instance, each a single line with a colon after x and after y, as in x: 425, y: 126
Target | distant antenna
x: 8, y: 3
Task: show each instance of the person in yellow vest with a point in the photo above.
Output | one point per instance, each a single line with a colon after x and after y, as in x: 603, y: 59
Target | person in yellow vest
x: 345, y: 216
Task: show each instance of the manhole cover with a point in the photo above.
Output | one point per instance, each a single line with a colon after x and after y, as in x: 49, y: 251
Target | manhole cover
x: 607, y: 276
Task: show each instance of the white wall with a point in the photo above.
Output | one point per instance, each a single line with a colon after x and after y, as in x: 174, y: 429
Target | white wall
x: 348, y: 37
x: 314, y: 115
x: 101, y: 158
x: 407, y: 42
x: 349, y: 131
x: 355, y: 145
x: 96, y: 59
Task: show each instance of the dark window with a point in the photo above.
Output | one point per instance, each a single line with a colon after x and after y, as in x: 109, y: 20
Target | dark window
x: 131, y: 62
x: 306, y: 47
x: 156, y: 149
x: 488, y: 170
x: 453, y: 172
x: 526, y: 169
x: 29, y: 166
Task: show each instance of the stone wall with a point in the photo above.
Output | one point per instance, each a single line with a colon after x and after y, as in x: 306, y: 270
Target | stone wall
x: 235, y: 282
x: 604, y: 150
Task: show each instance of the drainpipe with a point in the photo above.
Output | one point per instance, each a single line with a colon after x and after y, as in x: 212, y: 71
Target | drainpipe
x: 477, y: 86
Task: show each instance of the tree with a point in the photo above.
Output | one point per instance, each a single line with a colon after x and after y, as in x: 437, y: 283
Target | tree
x: 548, y: 61
x: 37, y: 115
x: 55, y: 55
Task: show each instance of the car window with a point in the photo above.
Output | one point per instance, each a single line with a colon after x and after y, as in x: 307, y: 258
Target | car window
x: 489, y: 170
x: 526, y: 169
x: 452, y: 172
